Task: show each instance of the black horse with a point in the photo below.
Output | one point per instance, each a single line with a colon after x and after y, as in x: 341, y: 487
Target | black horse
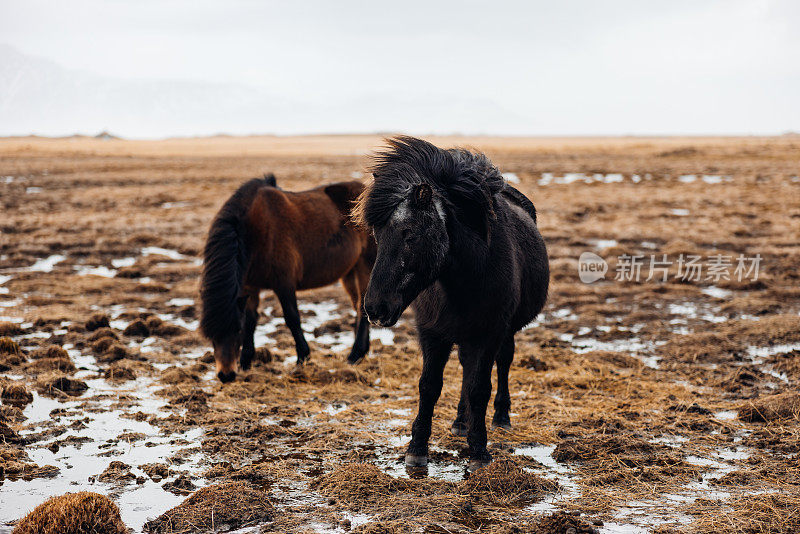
x: 463, y: 246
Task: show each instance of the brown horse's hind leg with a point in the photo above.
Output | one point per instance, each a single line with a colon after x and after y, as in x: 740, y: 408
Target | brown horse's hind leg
x: 355, y: 282
x: 248, y: 328
x: 291, y: 315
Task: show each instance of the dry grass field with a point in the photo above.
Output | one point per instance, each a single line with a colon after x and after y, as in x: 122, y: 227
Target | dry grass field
x: 637, y: 405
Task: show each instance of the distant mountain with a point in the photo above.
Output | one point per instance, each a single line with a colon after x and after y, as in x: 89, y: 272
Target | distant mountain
x: 38, y: 96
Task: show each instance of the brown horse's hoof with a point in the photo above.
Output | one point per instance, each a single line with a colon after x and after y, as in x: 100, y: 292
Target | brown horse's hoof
x: 458, y: 429
x: 412, y: 460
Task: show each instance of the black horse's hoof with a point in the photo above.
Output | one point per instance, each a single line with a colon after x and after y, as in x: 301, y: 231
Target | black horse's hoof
x: 458, y: 429
x: 354, y: 358
x: 477, y: 463
x: 414, y: 460
x: 503, y: 424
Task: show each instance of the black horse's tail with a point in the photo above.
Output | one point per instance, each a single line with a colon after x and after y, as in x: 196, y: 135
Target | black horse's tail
x: 225, y: 260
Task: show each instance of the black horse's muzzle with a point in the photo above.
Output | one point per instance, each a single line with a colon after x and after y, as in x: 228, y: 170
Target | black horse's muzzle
x: 383, y: 312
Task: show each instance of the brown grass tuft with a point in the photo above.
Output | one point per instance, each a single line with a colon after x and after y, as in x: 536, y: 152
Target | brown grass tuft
x: 771, y: 407
x: 9, y: 361
x: 51, y: 351
x: 74, y: 513
x: 16, y: 395
x: 707, y: 347
x: 774, y: 513
x: 561, y: 523
x: 360, y: 485
x: 232, y: 504
x: 98, y: 320
x: 56, y: 383
x: 51, y: 364
x: 8, y: 346
x: 504, y: 482
x: 9, y: 329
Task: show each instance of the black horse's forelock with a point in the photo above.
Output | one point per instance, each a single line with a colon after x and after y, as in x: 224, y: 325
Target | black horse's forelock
x: 225, y: 260
x: 463, y: 179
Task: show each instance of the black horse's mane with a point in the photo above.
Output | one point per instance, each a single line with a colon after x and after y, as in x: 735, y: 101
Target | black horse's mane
x: 465, y: 180
x: 225, y: 260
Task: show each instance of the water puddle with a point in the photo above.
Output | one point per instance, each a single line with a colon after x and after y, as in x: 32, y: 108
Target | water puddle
x: 548, y: 178
x: 180, y: 302
x: 706, y: 178
x: 633, y: 346
x: 84, y: 434
x: 101, y: 270
x: 171, y: 254
x: 313, y: 316
x: 46, y: 265
x: 3, y: 279
x: 564, y: 475
x: 758, y: 356
x: 603, y: 243
x: 716, y: 292
x: 123, y: 262
x: 691, y: 310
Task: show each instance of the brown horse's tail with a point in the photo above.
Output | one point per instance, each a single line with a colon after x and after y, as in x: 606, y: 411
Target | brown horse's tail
x: 225, y: 260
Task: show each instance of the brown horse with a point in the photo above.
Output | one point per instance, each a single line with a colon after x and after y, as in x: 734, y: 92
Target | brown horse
x: 267, y: 238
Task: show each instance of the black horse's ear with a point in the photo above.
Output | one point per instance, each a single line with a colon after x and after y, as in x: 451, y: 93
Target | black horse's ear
x: 270, y: 179
x: 422, y: 195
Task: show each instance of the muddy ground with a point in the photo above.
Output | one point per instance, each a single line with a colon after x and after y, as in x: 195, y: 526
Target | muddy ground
x: 644, y: 406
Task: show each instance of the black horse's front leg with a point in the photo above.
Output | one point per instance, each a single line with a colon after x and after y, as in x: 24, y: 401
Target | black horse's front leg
x: 502, y: 399
x: 459, y: 426
x: 479, y: 390
x: 291, y: 315
x: 435, y: 352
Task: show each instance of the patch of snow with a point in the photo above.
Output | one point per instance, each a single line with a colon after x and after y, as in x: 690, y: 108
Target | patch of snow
x: 122, y: 262
x: 46, y: 265
x: 102, y: 270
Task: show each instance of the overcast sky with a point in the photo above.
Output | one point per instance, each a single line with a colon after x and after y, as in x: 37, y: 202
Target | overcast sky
x: 570, y: 67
